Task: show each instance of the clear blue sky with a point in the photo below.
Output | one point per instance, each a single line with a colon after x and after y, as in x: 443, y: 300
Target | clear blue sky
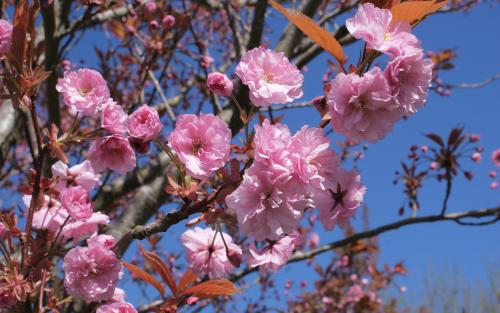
x: 475, y: 37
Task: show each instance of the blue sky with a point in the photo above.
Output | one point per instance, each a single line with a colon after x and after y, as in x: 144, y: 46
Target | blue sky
x: 475, y: 37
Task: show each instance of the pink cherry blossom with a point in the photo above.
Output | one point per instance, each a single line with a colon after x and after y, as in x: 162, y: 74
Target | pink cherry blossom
x: 50, y: 216
x: 116, y: 307
x: 112, y: 152
x: 201, y: 143
x: 361, y: 108
x: 119, y: 295
x: 375, y: 27
x: 5, y: 36
x: 106, y: 240
x: 84, y: 90
x: 274, y: 255
x: 312, y: 159
x: 168, y: 21
x: 91, y: 272
x: 219, y: 84
x: 206, y: 258
x: 339, y: 202
x: 144, y: 123
x: 495, y: 157
x: 409, y: 78
x: 270, y: 77
x: 78, y: 230
x: 3, y: 230
x: 76, y: 200
x: 81, y: 174
x: 272, y: 145
x: 113, y: 118
x: 268, y: 204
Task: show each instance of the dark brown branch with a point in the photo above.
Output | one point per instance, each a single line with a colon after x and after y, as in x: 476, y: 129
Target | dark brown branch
x: 455, y: 217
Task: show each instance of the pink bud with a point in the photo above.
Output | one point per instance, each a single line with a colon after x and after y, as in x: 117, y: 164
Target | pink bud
x: 424, y: 149
x: 192, y: 300
x: 494, y: 185
x: 402, y: 289
x: 469, y: 175
x: 234, y: 257
x: 492, y: 174
x: 219, y: 84
x: 206, y: 61
x: 474, y: 138
x: 433, y: 165
x: 151, y: 6
x: 168, y: 21
x: 153, y: 24
x: 476, y: 157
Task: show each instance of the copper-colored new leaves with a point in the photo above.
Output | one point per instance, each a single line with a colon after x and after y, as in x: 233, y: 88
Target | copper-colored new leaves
x: 141, y: 274
x: 212, y: 288
x: 414, y: 11
x: 316, y: 33
x: 162, y: 269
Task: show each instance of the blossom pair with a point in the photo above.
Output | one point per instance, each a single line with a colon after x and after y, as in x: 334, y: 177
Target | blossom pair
x: 366, y: 107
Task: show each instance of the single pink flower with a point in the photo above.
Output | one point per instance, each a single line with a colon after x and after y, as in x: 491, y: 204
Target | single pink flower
x: 375, y: 27
x: 84, y: 90
x: 77, y: 202
x: 361, y: 108
x: 116, y: 307
x: 113, y: 118
x: 339, y: 202
x: 5, y: 36
x: 78, y: 230
x: 144, y: 123
x: 495, y: 157
x: 50, y: 216
x: 274, y: 255
x: 219, y: 84
x: 312, y: 158
x: 272, y: 145
x: 268, y: 203
x: 206, y: 252
x: 409, y: 78
x: 168, y: 21
x: 270, y: 77
x: 80, y: 175
x: 91, y: 272
x: 201, y: 143
x: 112, y: 152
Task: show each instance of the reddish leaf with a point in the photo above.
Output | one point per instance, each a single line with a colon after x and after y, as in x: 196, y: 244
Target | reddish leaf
x: 212, y: 288
x: 187, y: 279
x: 315, y: 32
x: 436, y: 139
x: 162, y: 269
x: 141, y: 274
x: 414, y: 11
x: 20, y: 29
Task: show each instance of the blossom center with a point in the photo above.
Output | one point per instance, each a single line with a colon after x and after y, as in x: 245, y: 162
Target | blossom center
x: 197, y: 145
x: 387, y: 36
x: 84, y: 91
x: 268, y: 77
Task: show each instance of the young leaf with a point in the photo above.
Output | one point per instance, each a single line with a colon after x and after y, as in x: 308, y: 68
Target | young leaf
x: 19, y: 31
x: 162, y: 270
x: 141, y: 274
x: 414, y: 11
x: 212, y: 288
x: 316, y: 33
x: 187, y: 279
x: 436, y: 139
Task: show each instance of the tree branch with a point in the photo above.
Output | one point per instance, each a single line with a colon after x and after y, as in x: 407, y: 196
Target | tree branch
x: 455, y: 217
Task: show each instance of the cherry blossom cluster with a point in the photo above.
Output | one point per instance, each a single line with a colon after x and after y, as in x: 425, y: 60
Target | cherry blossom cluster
x: 365, y: 108
x: 85, y: 91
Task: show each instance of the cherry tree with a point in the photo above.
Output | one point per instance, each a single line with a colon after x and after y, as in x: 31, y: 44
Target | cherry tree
x: 176, y: 124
